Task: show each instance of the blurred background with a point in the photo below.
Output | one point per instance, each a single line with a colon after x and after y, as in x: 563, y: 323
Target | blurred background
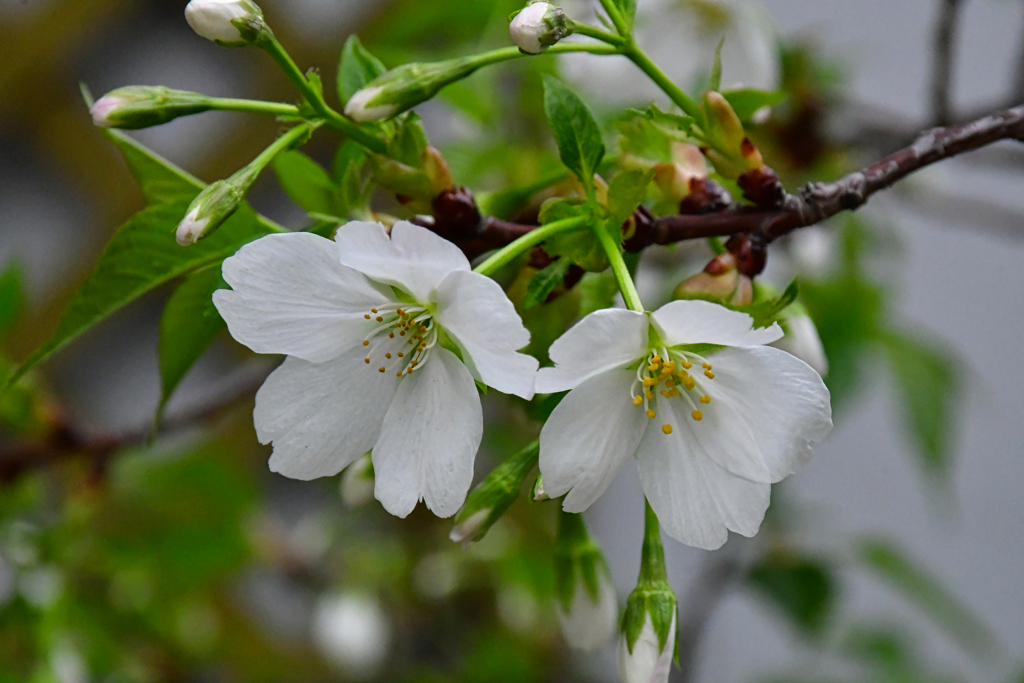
x: 896, y: 555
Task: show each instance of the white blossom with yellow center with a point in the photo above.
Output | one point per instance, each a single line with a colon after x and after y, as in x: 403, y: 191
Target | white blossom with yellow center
x: 712, y: 416
x: 385, y: 335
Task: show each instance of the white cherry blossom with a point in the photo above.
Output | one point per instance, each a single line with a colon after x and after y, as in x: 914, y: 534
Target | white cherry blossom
x: 385, y: 335
x: 712, y: 416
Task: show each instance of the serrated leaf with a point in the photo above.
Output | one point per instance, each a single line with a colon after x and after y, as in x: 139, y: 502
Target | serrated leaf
x: 927, y: 382
x: 189, y: 324
x: 356, y: 68
x: 12, y: 295
x: 141, y: 256
x: 767, y: 312
x: 715, y: 82
x: 544, y: 281
x: 802, y: 587
x: 747, y: 101
x: 626, y: 191
x: 579, y: 139
x: 306, y: 182
x: 916, y: 585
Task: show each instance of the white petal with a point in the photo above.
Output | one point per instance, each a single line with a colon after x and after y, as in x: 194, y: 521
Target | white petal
x: 429, y: 439
x: 321, y: 416
x: 702, y: 322
x: 802, y: 341
x: 782, y: 399
x: 647, y: 663
x: 695, y: 499
x: 588, y: 625
x: 291, y: 295
x: 589, y: 435
x: 603, y: 340
x: 413, y: 258
x: 475, y: 312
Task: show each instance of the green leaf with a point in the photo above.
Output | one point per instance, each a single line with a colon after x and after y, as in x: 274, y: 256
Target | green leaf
x: 576, y: 132
x: 920, y: 588
x: 141, y: 256
x: 626, y: 191
x: 306, y: 182
x: 161, y: 181
x: 12, y: 296
x: 409, y: 142
x: 189, y: 324
x: 767, y: 312
x: 649, y: 133
x: 715, y: 82
x: 627, y: 8
x: 927, y: 381
x: 356, y: 68
x: 802, y: 587
x: 746, y: 101
x: 355, y: 186
x: 560, y: 208
x: 544, y: 281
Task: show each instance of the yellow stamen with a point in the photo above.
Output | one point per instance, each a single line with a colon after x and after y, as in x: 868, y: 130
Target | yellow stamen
x: 669, y: 383
x: 637, y: 400
x: 366, y: 342
x: 380, y: 369
x: 709, y: 374
x: 687, y: 364
x: 380, y: 318
x: 414, y: 364
x: 391, y: 335
x: 649, y: 381
x: 366, y: 360
x: 650, y: 413
x: 387, y: 355
x: 705, y: 399
x: 402, y: 333
x: 670, y: 366
x: 648, y: 394
x: 656, y: 359
x: 666, y: 393
x: 697, y: 415
x: 367, y: 316
x: 401, y: 355
x: 666, y: 428
x: 652, y: 368
x: 373, y: 310
x: 707, y: 366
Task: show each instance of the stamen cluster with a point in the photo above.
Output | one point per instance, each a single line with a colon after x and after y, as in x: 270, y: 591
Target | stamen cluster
x: 413, y: 322
x: 670, y: 367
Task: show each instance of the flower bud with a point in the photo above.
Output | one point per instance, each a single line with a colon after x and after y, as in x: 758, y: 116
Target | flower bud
x: 585, y: 605
x: 720, y: 281
x: 213, y: 206
x: 492, y: 497
x: 405, y: 86
x: 802, y: 341
x: 729, y: 148
x: 538, y: 26
x: 231, y: 23
x: 357, y: 482
x: 649, y: 659
x: 142, y: 106
x: 422, y: 184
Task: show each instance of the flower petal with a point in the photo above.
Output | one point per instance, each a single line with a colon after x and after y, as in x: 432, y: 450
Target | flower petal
x: 321, y: 416
x: 695, y: 499
x: 429, y: 439
x: 589, y: 435
x: 413, y: 258
x: 647, y: 663
x: 291, y: 295
x: 702, y: 322
x: 605, y: 339
x: 475, y: 312
x: 782, y: 400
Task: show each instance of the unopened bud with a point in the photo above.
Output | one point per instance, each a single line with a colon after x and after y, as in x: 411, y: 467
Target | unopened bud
x: 648, y: 659
x: 720, y: 281
x: 729, y: 148
x: 212, y: 207
x: 357, y: 482
x: 231, y: 23
x: 405, y: 86
x: 538, y: 26
x: 142, y: 106
x: 493, y: 496
x: 586, y: 605
x: 538, y: 493
x: 422, y: 184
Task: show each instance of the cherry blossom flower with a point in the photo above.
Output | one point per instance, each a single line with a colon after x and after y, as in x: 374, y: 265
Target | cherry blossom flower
x: 712, y: 415
x: 385, y: 336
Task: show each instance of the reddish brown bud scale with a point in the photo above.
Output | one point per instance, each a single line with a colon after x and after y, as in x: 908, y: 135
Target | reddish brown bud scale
x: 706, y: 196
x: 762, y: 186
x: 750, y: 252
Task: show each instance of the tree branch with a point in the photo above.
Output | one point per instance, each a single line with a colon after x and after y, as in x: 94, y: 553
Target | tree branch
x: 942, y: 73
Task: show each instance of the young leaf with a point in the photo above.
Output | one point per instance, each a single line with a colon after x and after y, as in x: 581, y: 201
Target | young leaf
x: 802, y: 587
x: 306, y: 182
x: 12, y: 296
x: 141, y: 256
x: 747, y: 101
x: 767, y: 312
x: 626, y: 191
x: 627, y: 9
x: 189, y: 324
x: 715, y: 83
x: 927, y: 382
x: 356, y: 68
x: 934, y: 599
x: 578, y: 137
x: 544, y: 281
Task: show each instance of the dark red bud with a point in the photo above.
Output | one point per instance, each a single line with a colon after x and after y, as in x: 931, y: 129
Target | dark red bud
x: 642, y: 223
x: 456, y: 216
x: 762, y: 186
x: 706, y: 196
x: 750, y: 252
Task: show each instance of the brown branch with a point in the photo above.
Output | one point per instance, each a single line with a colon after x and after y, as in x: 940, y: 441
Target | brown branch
x: 942, y: 70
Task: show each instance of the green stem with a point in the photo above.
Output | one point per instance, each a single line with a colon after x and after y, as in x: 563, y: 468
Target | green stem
x: 675, y: 93
x: 652, y: 555
x: 316, y: 100
x: 594, y: 32
x: 505, y: 54
x: 285, y: 142
x: 531, y: 239
x: 613, y: 13
x: 253, y: 106
x: 620, y: 269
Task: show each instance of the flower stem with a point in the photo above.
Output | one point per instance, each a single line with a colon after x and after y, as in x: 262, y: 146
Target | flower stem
x: 527, y: 241
x: 675, y: 93
x: 288, y: 140
x: 620, y: 269
x: 316, y: 100
x: 652, y: 554
x: 613, y: 13
x: 253, y: 106
x: 594, y: 32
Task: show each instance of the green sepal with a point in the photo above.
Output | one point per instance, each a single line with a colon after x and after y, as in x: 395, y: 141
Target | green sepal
x: 715, y: 82
x: 656, y: 599
x: 494, y: 495
x: 577, y: 556
x: 356, y: 68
